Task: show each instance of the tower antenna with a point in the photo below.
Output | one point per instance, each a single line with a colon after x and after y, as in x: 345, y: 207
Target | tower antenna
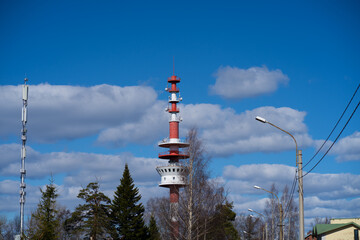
x: 25, y: 93
x: 174, y: 174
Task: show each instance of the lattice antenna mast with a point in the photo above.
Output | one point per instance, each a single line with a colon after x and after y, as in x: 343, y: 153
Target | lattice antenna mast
x: 25, y: 89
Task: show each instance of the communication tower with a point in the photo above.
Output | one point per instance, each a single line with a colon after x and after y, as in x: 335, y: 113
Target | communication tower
x: 174, y: 174
x: 25, y: 92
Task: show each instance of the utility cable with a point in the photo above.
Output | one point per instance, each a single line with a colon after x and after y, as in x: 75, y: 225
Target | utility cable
x: 333, y: 128
x: 334, y: 141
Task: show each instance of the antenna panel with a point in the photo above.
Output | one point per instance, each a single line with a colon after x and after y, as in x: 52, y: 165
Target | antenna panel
x: 25, y: 92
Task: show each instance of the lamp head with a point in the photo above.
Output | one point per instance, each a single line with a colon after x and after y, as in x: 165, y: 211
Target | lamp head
x: 250, y: 210
x: 257, y: 187
x: 260, y: 119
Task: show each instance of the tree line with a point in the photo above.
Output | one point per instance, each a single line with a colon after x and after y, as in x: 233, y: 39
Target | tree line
x: 97, y: 218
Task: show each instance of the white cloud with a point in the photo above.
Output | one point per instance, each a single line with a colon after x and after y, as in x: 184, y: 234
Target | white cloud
x: 9, y: 196
x: 7, y: 186
x: 9, y: 153
x: 236, y: 83
x: 225, y: 132
x: 67, y: 112
x: 347, y: 148
x: 147, y: 129
x: 315, y: 202
x: 79, y: 167
x: 332, y: 186
x: 118, y: 116
x: 267, y: 172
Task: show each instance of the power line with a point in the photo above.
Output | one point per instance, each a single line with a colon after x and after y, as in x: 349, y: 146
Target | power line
x: 334, y: 141
x: 333, y: 128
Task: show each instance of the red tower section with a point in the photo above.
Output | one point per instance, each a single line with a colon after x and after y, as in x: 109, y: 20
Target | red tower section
x: 174, y: 174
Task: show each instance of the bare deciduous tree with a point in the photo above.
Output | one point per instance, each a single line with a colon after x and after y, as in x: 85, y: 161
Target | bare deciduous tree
x: 201, y: 197
x: 9, y: 228
x: 249, y: 227
x: 290, y: 214
x: 200, y: 201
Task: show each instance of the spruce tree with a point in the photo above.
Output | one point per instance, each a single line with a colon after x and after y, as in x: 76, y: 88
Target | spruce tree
x: 127, y: 212
x: 154, y: 233
x: 45, y: 216
x: 93, y: 217
x: 222, y: 224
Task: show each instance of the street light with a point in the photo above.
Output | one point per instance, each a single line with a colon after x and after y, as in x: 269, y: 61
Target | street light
x: 280, y: 210
x: 300, y: 180
x: 266, y: 233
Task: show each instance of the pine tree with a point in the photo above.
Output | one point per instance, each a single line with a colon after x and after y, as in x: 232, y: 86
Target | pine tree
x: 127, y: 213
x: 45, y: 216
x: 154, y: 233
x: 93, y: 217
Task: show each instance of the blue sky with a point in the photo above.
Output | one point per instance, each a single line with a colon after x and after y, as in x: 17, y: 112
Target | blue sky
x: 97, y: 73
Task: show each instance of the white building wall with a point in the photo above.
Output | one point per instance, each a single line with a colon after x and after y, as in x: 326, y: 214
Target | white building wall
x: 345, y: 234
x: 345, y: 220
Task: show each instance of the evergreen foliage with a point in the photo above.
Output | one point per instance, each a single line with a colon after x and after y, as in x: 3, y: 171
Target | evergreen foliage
x: 45, y: 216
x: 223, y: 227
x: 127, y: 212
x: 154, y: 233
x: 93, y: 217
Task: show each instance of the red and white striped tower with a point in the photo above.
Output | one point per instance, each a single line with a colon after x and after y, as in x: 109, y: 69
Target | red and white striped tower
x: 174, y: 174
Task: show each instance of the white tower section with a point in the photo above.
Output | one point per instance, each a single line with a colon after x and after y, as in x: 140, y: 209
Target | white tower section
x: 25, y: 92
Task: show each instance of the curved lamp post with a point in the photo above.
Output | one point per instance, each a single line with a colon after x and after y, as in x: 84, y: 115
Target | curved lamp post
x: 280, y: 210
x: 300, y: 180
x: 266, y: 233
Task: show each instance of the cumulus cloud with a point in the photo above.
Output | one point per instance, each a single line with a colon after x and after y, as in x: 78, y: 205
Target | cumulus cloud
x: 347, y: 148
x: 117, y: 116
x: 151, y: 126
x: 79, y: 167
x: 266, y: 172
x: 67, y: 112
x: 9, y: 195
x: 332, y: 186
x: 338, y: 208
x: 237, y: 83
x: 225, y: 132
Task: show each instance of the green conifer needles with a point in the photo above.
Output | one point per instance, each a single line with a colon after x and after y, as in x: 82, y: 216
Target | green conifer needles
x: 127, y: 212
